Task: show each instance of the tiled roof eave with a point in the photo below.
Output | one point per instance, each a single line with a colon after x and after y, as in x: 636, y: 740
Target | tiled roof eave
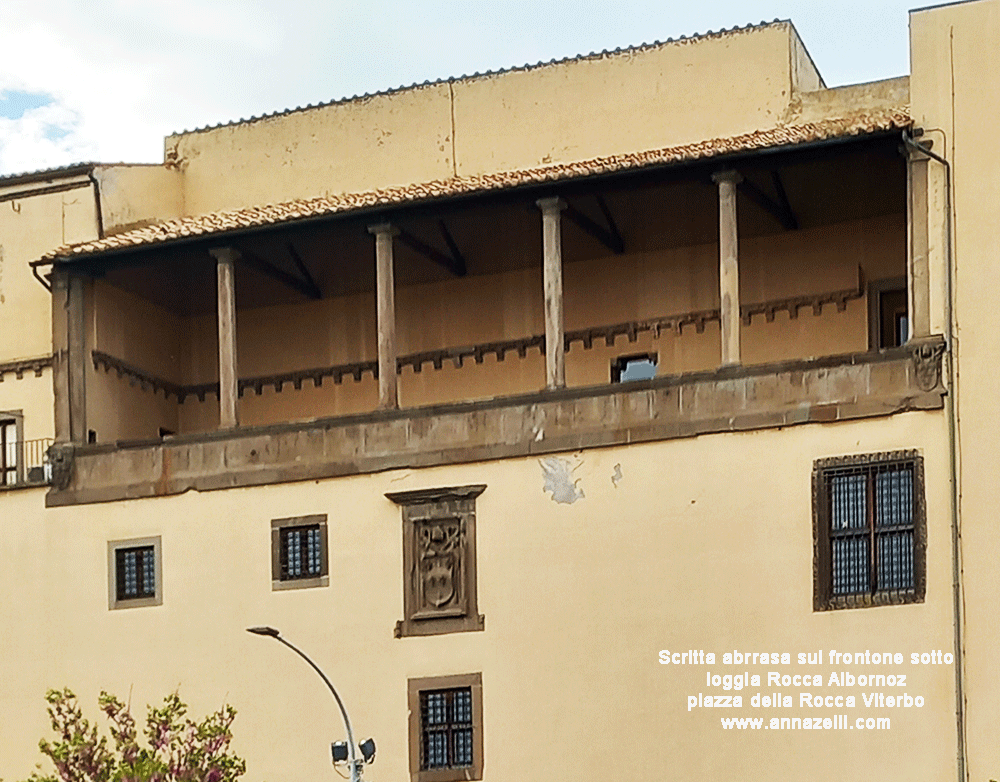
x: 219, y: 224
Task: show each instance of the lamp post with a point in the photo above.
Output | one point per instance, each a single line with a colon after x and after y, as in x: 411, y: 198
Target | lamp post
x: 356, y: 764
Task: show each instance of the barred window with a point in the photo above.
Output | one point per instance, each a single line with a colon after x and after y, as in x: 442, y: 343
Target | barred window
x: 446, y: 728
x: 869, y: 530
x: 134, y: 573
x: 299, y: 552
x: 136, y: 570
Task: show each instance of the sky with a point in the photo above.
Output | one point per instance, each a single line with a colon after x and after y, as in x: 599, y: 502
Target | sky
x: 106, y: 80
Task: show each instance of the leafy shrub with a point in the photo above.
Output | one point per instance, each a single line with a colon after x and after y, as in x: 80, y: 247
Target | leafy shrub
x: 179, y: 749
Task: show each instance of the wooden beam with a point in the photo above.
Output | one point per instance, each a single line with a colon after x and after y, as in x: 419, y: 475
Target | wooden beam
x: 225, y: 258
x: 783, y: 202
x: 303, y: 269
x: 77, y: 343
x: 555, y: 348
x: 388, y: 390
x: 453, y: 248
x: 729, y: 267
x: 608, y: 238
x: 268, y: 269
x: 612, y: 225
x: 765, y: 202
x: 454, y: 265
x: 60, y: 355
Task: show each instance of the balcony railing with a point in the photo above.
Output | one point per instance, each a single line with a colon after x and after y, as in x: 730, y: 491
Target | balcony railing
x: 25, y: 463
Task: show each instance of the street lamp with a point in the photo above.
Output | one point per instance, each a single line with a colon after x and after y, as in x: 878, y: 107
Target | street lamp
x: 367, y: 746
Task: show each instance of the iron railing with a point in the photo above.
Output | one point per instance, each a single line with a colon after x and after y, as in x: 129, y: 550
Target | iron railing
x: 25, y: 463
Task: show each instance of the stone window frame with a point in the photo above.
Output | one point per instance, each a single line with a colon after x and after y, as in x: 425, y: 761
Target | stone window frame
x: 15, y: 417
x: 323, y: 579
x: 823, y: 597
x: 114, y: 546
x: 454, y: 502
x: 474, y: 681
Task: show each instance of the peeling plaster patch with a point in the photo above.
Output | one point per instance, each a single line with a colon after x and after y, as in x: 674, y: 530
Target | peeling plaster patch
x: 617, y: 476
x: 558, y: 474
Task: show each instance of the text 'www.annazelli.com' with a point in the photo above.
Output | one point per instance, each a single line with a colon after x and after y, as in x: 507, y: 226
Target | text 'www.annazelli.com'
x: 838, y: 722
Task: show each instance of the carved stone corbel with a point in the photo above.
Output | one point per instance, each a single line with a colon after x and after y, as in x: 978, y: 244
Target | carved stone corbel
x: 61, y: 459
x: 926, y: 354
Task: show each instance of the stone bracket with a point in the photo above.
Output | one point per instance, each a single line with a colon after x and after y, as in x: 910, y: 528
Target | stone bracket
x: 926, y: 353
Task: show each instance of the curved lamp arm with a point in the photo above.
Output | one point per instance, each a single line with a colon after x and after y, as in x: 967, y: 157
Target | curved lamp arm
x: 276, y: 635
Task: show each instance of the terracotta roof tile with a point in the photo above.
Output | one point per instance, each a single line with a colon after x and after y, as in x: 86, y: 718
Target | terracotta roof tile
x: 275, y: 214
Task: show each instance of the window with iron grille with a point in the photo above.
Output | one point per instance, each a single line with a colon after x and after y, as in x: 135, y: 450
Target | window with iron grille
x: 299, y: 552
x: 446, y: 719
x: 134, y: 573
x: 869, y: 530
x: 446, y: 728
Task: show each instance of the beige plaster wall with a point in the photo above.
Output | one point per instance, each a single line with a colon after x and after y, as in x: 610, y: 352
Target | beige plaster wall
x: 135, y: 195
x: 672, y: 93
x: 955, y: 88
x: 144, y: 336
x: 32, y: 396
x: 578, y: 600
x: 355, y: 145
x: 30, y: 225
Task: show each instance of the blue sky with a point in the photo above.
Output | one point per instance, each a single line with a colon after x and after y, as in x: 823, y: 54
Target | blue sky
x: 14, y: 104
x: 106, y: 80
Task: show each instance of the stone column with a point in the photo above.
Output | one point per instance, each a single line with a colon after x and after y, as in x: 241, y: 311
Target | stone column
x: 60, y: 355
x: 729, y: 267
x: 385, y: 294
x: 229, y: 393
x: 917, y: 239
x: 76, y: 341
x: 555, y: 350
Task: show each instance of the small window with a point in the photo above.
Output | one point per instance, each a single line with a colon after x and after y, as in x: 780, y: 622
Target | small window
x: 134, y: 573
x: 625, y: 369
x: 889, y: 325
x: 8, y: 452
x: 446, y: 728
x: 299, y: 552
x: 869, y: 525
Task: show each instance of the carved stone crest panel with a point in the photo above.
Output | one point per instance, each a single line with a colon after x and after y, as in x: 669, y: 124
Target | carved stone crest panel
x: 439, y: 560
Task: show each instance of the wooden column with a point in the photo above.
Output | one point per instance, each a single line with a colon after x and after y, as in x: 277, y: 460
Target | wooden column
x: 729, y: 267
x: 918, y: 240
x: 555, y: 350
x: 60, y: 355
x: 385, y: 293
x: 229, y: 394
x: 76, y: 340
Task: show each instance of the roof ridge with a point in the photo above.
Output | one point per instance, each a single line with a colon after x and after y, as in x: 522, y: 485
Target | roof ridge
x: 681, y: 40
x: 258, y: 215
